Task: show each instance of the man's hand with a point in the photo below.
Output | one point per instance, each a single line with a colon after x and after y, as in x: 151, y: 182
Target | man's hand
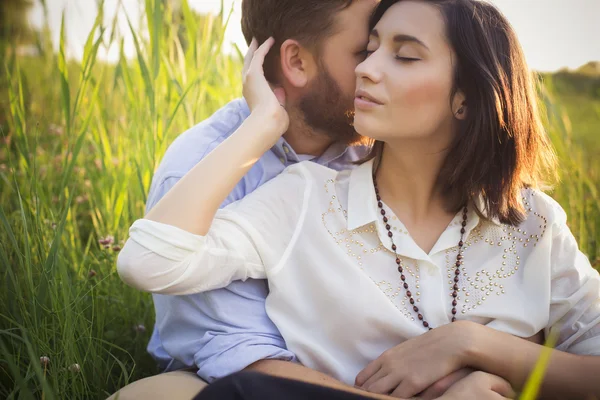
x: 438, y: 389
x: 480, y: 386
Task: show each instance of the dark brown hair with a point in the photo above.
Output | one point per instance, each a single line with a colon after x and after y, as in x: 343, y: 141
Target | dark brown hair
x: 308, y: 21
x: 501, y: 146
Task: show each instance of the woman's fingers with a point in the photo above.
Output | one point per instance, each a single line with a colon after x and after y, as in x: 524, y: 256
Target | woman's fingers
x: 249, y: 56
x: 259, y: 56
x: 370, y: 370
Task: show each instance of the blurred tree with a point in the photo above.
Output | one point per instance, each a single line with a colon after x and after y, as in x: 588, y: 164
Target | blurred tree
x: 14, y: 25
x: 592, y: 68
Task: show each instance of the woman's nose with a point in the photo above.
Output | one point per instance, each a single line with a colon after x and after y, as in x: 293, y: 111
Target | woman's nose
x: 369, y: 68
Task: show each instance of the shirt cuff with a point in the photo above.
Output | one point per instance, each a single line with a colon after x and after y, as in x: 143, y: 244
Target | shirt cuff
x: 589, y: 347
x: 237, y: 358
x: 165, y: 240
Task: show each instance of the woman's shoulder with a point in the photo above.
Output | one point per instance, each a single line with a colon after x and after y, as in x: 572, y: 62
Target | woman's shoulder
x: 541, y: 207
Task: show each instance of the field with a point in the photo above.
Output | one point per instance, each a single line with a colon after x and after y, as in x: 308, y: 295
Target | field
x: 79, y: 142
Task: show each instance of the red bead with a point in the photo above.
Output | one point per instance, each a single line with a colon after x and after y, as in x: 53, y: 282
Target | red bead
x: 416, y: 309
x: 412, y: 301
x: 461, y: 231
x: 459, y: 257
x: 409, y: 294
x: 461, y: 243
x: 378, y: 198
x: 390, y: 234
x: 382, y: 211
x: 388, y: 227
x: 453, y: 319
x: 455, y: 287
x: 456, y: 279
x: 380, y: 204
x: 464, y: 223
x: 454, y: 311
x: 458, y: 263
x: 454, y: 303
x: 400, y: 269
x: 406, y: 286
x: 426, y: 325
x: 385, y: 219
x: 420, y: 317
x: 402, y: 277
x: 457, y: 272
x: 394, y: 247
x: 454, y: 294
x: 398, y: 261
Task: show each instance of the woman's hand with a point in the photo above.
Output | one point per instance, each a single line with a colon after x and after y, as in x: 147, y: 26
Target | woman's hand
x: 480, y: 386
x: 440, y: 387
x: 413, y: 366
x: 265, y: 102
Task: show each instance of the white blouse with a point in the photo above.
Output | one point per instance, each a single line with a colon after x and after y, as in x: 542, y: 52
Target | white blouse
x: 336, y: 296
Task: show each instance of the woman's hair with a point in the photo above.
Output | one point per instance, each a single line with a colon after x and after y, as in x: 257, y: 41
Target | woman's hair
x: 501, y: 146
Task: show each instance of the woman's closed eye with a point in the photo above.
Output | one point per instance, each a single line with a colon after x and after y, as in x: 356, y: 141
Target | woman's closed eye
x: 366, y: 53
x: 407, y: 59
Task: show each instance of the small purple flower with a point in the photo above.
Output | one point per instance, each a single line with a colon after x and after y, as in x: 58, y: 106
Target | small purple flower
x: 44, y: 360
x: 107, y: 241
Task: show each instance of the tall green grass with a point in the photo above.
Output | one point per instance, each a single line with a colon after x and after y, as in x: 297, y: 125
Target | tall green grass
x: 80, y: 143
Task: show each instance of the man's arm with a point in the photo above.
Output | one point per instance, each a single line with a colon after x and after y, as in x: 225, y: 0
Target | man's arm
x: 289, y: 370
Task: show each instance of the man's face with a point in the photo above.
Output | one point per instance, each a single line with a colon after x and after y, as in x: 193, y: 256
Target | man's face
x: 330, y: 99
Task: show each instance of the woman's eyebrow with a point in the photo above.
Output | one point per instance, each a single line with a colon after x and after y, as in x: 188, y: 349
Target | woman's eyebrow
x: 401, y: 38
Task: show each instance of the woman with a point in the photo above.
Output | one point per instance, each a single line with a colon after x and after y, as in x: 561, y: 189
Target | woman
x: 458, y: 155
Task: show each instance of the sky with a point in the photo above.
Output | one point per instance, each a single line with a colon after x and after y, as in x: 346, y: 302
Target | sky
x: 554, y: 33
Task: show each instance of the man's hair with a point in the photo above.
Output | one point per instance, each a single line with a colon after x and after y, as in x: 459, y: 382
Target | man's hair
x: 307, y: 21
x: 501, y: 146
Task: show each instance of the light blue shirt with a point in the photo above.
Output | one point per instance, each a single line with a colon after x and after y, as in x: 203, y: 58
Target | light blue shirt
x: 223, y: 331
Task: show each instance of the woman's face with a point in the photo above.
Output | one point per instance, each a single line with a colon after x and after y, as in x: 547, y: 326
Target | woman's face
x: 404, y: 86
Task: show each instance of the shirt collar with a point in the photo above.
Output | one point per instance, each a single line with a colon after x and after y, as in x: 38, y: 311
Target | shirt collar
x: 363, y: 210
x: 361, y: 196
x: 480, y: 204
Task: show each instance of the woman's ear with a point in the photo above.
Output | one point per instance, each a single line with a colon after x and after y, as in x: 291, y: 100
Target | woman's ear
x: 297, y: 63
x: 459, y: 106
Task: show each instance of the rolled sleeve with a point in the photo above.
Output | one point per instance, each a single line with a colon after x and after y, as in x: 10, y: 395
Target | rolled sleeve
x: 222, y: 331
x: 575, y: 296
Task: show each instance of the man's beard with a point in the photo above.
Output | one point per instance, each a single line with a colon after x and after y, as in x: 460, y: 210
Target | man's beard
x: 328, y: 111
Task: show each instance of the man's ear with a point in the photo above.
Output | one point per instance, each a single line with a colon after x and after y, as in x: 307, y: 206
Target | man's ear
x: 297, y: 63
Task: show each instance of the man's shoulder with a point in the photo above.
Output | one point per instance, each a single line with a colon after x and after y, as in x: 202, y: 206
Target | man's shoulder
x: 193, y: 145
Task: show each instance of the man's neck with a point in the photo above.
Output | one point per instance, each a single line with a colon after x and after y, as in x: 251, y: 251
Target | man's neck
x: 306, y: 141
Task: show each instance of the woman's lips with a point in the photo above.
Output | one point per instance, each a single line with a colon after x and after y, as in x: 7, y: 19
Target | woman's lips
x: 364, y: 103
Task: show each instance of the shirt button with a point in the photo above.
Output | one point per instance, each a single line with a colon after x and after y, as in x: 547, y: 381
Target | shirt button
x: 286, y: 149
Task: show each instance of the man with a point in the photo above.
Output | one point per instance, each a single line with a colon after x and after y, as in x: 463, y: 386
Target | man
x: 318, y: 45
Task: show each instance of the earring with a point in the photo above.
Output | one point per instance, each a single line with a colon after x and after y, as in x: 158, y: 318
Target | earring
x: 460, y: 111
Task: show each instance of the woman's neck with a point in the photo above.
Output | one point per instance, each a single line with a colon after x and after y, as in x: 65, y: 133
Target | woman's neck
x: 407, y: 178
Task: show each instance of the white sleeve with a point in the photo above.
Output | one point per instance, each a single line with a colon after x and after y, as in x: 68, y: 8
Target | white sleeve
x: 245, y: 240
x: 575, y: 294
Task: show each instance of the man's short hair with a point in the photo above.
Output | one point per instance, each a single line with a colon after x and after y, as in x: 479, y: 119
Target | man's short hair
x: 307, y: 21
